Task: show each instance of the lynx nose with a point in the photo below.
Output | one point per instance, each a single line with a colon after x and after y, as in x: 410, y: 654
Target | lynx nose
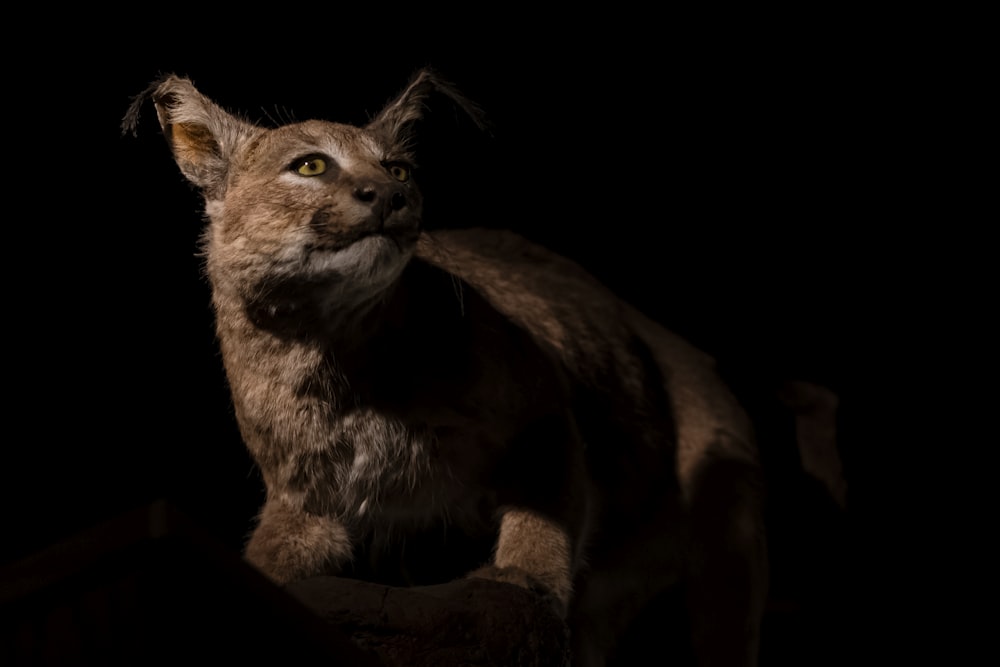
x: 370, y: 193
x: 365, y: 193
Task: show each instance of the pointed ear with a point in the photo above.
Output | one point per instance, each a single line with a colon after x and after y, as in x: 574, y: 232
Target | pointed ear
x: 395, y: 122
x: 203, y: 136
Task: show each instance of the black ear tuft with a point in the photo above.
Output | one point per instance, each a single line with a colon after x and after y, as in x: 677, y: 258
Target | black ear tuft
x: 202, y: 136
x: 130, y: 123
x: 395, y: 122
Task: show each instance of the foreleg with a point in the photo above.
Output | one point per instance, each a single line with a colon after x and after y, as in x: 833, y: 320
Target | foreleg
x: 291, y: 544
x: 535, y: 552
x: 728, y: 566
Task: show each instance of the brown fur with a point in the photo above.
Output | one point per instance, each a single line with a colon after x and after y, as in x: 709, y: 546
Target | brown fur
x: 387, y: 379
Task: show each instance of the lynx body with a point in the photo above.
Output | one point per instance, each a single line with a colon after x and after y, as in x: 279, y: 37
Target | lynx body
x: 387, y: 379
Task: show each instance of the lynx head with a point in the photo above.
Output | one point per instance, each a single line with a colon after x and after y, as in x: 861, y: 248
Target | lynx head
x: 311, y: 215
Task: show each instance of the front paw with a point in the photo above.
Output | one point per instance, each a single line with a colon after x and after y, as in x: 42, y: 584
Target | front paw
x: 524, y: 579
x: 289, y: 545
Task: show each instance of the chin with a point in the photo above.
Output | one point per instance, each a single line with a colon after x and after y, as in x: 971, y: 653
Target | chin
x: 373, y: 262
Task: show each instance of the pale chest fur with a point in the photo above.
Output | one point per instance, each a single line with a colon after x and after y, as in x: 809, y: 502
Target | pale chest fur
x: 321, y: 451
x: 407, y: 427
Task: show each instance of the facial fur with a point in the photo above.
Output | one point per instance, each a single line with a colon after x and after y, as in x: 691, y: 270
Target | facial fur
x: 329, y: 240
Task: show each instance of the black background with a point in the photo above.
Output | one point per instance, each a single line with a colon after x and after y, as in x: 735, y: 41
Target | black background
x: 737, y: 177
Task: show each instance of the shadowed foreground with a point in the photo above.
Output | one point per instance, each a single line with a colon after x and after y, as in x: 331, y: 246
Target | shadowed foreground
x: 152, y: 587
x: 149, y: 588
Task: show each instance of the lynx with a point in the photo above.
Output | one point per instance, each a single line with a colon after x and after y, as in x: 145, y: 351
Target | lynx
x: 388, y: 379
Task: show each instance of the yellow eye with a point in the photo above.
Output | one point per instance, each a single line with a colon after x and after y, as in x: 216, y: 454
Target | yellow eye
x: 400, y: 172
x: 310, y: 166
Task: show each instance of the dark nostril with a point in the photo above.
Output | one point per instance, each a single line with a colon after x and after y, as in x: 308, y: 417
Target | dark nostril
x: 397, y: 201
x: 365, y: 193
